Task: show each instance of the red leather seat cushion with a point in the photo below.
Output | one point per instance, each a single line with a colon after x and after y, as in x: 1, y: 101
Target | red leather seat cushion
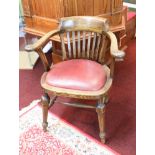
x: 77, y: 74
x: 130, y: 15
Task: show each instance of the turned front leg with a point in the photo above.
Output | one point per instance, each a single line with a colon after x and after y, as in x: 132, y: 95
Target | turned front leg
x: 100, y: 109
x: 45, y: 104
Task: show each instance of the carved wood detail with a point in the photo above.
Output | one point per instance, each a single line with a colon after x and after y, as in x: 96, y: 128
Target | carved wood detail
x: 45, y: 103
x: 100, y: 109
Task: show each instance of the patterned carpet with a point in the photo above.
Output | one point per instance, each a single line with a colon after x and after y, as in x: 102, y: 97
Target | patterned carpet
x: 60, y: 139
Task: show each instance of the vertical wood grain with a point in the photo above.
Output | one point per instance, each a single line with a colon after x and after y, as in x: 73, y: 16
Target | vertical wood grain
x: 88, y: 44
x: 69, y: 44
x: 102, y: 6
x: 63, y: 46
x: 103, y: 49
x: 74, y: 44
x: 97, y: 47
x: 48, y: 8
x: 85, y: 7
x: 93, y: 47
x: 79, y: 43
x: 84, y: 44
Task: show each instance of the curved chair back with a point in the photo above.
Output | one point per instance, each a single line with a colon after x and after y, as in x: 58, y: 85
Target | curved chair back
x: 84, y: 37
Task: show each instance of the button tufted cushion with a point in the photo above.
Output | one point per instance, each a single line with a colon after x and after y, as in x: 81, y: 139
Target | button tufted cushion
x: 77, y: 74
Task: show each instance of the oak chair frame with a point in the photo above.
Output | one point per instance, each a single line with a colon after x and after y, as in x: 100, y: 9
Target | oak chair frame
x: 98, y: 27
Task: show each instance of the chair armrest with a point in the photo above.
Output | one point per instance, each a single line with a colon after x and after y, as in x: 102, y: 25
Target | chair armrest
x: 37, y: 47
x: 42, y: 41
x: 114, y: 51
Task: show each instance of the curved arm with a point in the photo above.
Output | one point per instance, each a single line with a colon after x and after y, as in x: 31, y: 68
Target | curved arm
x: 37, y: 47
x: 42, y: 41
x: 114, y: 51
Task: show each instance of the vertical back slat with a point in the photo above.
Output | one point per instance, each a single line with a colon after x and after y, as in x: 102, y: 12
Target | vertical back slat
x: 103, y: 49
x: 69, y: 45
x: 63, y: 46
x: 88, y: 44
x: 83, y: 44
x: 74, y: 44
x: 97, y: 47
x: 79, y: 42
x: 93, y: 47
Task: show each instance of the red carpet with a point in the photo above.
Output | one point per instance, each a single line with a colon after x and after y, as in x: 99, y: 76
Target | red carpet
x: 121, y: 110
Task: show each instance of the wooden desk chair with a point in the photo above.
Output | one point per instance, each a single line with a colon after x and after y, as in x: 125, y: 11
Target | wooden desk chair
x: 89, y: 51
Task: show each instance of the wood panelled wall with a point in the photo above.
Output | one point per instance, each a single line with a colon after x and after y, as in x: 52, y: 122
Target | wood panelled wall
x: 46, y: 13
